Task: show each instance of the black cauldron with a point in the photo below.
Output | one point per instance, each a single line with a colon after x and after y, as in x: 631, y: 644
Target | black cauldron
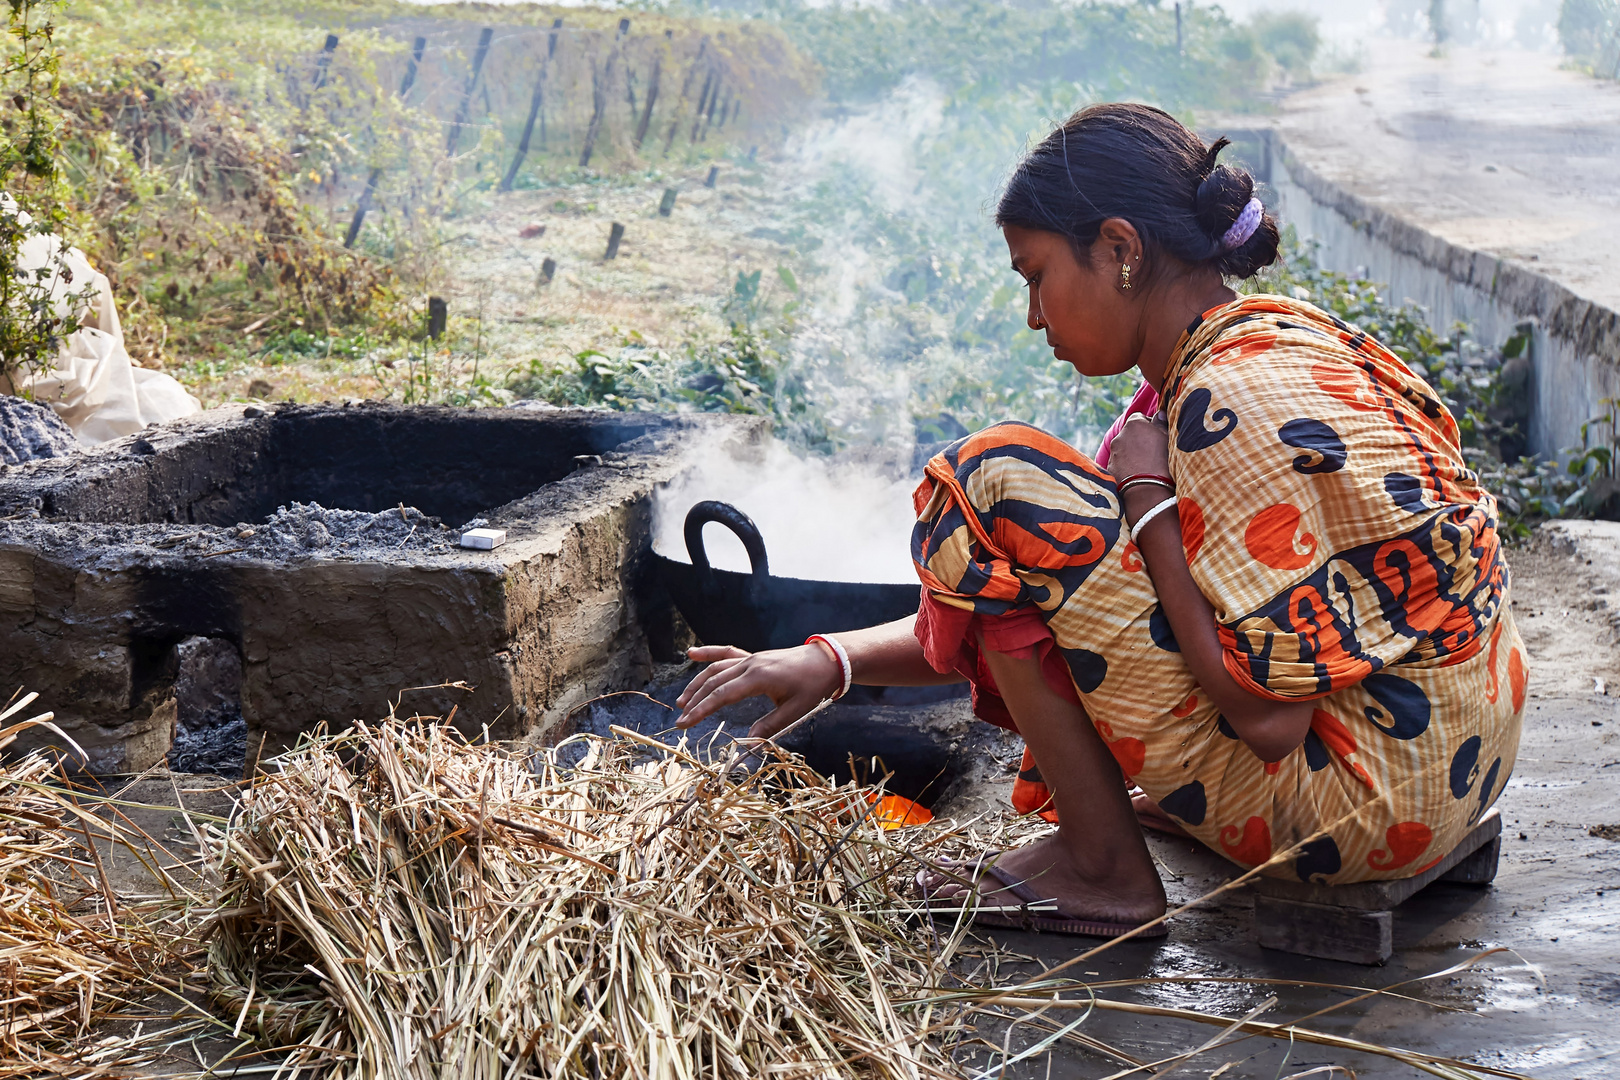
x: 756, y: 611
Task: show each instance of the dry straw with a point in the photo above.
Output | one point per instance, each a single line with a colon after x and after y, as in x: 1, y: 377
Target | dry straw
x: 400, y: 904
x: 71, y: 956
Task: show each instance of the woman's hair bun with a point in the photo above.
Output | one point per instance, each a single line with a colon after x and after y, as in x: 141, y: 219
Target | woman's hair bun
x: 1139, y: 163
x: 1221, y: 198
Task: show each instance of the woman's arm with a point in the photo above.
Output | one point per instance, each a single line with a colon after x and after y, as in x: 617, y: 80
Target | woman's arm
x: 1272, y: 729
x: 798, y: 679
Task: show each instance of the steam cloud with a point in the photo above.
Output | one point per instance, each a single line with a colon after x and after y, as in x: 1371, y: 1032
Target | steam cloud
x: 822, y: 518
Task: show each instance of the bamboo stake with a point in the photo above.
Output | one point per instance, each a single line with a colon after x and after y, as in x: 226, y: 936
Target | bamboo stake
x: 535, y: 104
x: 686, y: 89
x: 464, y: 110
x: 601, y: 80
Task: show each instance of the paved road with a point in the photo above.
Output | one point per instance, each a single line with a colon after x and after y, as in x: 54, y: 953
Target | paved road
x: 1501, y: 152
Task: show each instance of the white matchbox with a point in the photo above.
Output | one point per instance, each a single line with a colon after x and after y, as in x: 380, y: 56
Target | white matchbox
x: 483, y: 539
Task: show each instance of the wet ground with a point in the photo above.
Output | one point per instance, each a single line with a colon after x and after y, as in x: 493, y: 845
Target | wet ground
x: 1542, y: 1006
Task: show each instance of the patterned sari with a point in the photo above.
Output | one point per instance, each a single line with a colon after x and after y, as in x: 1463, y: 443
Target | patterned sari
x: 1352, y: 560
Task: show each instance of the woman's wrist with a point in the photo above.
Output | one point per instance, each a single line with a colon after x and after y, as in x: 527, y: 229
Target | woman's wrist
x: 842, y: 667
x: 1165, y: 509
x: 1139, y: 500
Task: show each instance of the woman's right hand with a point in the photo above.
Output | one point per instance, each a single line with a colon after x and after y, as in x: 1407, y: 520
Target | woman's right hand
x: 796, y: 680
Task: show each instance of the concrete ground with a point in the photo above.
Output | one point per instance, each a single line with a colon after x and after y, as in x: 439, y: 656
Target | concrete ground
x: 1502, y: 152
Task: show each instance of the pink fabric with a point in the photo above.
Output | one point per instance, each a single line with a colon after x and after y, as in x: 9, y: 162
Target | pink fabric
x: 1145, y: 402
x: 950, y: 639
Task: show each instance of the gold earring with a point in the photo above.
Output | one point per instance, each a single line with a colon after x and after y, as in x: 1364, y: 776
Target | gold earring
x: 1124, y: 275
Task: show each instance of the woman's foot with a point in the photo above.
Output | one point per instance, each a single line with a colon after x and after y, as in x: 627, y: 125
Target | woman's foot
x: 1152, y: 816
x: 1124, y: 897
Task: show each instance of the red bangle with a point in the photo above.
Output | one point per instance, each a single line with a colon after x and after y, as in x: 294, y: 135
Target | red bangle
x: 845, y: 669
x: 1146, y: 478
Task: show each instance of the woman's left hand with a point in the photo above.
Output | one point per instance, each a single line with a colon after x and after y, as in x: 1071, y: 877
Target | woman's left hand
x: 1142, y: 446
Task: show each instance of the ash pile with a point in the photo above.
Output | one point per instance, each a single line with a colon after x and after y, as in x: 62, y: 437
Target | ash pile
x: 313, y: 528
x: 29, y: 431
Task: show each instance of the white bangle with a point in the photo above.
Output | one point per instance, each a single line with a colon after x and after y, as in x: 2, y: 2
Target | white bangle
x: 843, y: 660
x: 1142, y: 522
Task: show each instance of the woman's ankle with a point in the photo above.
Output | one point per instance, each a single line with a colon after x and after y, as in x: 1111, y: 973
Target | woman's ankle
x: 1122, y: 858
x: 1123, y: 871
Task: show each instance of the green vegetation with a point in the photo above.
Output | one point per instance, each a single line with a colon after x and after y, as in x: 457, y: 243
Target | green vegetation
x: 209, y: 159
x: 908, y: 314
x: 37, y: 292
x: 212, y: 158
x: 1590, y: 33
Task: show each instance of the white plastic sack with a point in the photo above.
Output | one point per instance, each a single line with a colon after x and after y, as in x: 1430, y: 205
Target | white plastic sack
x: 96, y: 389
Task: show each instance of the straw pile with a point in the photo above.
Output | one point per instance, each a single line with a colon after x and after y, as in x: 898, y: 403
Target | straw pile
x: 400, y: 904
x: 70, y: 956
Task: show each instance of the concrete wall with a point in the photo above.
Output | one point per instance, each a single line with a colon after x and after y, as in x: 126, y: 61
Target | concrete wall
x: 1575, y: 345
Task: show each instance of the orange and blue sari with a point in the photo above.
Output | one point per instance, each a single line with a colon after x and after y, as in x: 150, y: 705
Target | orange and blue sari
x: 1351, y: 557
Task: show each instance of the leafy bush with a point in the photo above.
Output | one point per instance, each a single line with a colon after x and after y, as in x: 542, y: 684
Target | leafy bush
x: 38, y: 294
x: 747, y: 371
x: 1291, y: 38
x: 1589, y: 30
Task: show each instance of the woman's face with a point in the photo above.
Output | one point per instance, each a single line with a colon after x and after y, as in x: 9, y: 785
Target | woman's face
x: 1088, y: 318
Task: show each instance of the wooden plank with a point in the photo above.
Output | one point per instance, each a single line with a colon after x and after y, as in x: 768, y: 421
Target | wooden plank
x: 1329, y: 933
x: 1478, y: 868
x: 1382, y: 895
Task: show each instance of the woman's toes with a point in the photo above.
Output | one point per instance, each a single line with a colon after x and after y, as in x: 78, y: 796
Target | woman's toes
x: 940, y: 885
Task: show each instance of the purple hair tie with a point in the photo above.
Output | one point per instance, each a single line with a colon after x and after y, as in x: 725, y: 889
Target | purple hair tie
x: 1245, y: 225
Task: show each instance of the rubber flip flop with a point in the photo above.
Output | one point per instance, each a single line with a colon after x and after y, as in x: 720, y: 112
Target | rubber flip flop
x: 1025, y: 916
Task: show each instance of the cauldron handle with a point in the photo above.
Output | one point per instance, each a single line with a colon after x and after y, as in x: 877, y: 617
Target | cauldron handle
x: 735, y: 520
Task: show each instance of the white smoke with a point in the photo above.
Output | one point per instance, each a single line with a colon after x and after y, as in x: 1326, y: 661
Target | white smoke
x: 879, y: 144
x: 826, y: 519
